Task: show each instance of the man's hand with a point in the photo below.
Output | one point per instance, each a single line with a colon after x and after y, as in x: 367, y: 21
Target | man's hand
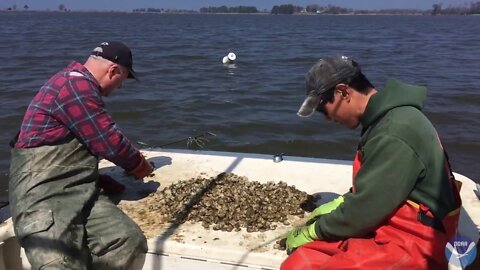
x: 300, y: 236
x: 324, y: 209
x: 144, y: 168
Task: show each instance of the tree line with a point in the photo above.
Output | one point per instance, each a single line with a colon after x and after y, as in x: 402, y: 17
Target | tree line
x: 162, y: 10
x: 473, y: 9
x: 437, y: 9
x: 61, y: 7
x: 225, y: 9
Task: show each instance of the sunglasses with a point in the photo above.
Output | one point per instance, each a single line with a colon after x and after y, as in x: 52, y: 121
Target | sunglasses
x: 325, y: 97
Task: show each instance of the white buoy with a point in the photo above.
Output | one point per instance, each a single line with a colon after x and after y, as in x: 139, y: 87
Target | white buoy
x: 229, y: 58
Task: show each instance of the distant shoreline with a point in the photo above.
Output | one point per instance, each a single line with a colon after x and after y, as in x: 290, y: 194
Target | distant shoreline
x: 231, y: 13
x: 436, y: 9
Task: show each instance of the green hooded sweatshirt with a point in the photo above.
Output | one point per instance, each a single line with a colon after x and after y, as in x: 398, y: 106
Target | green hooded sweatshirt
x: 402, y: 159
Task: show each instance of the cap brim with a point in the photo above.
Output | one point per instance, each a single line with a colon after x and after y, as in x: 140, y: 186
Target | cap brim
x: 132, y: 74
x: 309, y: 106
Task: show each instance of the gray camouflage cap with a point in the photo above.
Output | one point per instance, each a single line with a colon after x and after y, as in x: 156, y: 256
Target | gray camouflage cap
x: 323, y: 76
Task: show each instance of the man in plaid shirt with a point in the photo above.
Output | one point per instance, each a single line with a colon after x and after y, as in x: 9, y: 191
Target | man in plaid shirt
x: 60, y: 216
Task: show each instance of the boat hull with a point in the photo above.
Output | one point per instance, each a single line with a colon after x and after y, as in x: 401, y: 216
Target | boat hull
x: 190, y: 246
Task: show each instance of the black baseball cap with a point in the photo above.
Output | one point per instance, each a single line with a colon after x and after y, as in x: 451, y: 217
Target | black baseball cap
x: 323, y: 76
x: 116, y: 52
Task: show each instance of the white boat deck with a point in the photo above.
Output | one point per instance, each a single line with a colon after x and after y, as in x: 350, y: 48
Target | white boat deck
x: 238, y: 249
x: 190, y: 246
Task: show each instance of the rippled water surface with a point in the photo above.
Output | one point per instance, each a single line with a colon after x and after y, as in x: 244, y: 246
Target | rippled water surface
x: 186, y: 90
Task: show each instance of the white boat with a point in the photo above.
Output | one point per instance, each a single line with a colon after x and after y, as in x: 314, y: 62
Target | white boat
x: 190, y: 246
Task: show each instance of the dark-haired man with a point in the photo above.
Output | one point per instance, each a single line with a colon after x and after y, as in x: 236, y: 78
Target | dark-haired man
x: 403, y: 206
x: 60, y: 215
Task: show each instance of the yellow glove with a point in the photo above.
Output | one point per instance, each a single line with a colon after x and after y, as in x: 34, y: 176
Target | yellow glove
x: 324, y: 209
x: 300, y: 236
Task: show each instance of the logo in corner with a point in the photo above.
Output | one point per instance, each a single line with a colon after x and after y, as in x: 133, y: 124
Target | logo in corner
x: 461, y: 251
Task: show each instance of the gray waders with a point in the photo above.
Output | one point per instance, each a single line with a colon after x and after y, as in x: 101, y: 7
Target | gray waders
x: 61, y: 218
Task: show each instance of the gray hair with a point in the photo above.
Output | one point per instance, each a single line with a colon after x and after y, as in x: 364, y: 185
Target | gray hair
x: 100, y: 59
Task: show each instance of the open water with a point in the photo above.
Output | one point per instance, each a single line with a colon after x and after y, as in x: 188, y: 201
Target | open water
x: 186, y: 90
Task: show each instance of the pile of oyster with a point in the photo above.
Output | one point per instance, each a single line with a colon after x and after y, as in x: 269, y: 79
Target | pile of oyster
x: 229, y: 202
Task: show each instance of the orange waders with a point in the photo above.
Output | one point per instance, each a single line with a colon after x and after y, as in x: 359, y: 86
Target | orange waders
x: 410, y: 239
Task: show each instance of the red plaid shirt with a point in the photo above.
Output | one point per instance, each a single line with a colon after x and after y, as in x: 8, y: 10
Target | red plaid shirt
x: 70, y: 104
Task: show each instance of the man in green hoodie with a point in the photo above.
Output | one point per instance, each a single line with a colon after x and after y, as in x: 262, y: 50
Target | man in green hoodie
x: 403, y: 206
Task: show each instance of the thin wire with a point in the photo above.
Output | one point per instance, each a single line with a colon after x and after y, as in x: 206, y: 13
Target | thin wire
x: 198, y: 140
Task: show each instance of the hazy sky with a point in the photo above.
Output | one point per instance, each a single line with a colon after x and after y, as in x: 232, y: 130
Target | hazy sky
x: 128, y: 5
